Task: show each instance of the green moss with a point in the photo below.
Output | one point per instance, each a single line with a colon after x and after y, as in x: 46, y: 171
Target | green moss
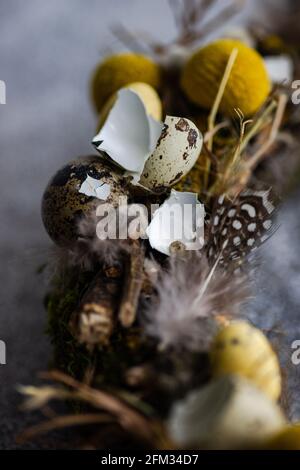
x: 126, y: 347
x: 67, y: 290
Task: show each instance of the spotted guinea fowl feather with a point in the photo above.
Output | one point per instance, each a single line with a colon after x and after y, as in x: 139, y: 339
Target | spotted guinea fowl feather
x: 240, y: 226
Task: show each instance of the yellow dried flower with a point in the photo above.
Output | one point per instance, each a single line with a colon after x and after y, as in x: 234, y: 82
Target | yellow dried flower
x: 273, y: 44
x: 241, y: 349
x: 248, y: 85
x: 286, y: 439
x: 147, y: 94
x: 119, y: 70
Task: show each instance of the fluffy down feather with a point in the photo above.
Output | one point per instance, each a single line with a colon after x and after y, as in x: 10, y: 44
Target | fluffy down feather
x: 191, y: 297
x: 93, y: 247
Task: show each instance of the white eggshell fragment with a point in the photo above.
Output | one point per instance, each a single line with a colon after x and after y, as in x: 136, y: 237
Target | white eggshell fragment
x: 280, y: 68
x: 177, y: 151
x: 179, y: 219
x: 95, y: 188
x: 228, y: 413
x: 129, y: 135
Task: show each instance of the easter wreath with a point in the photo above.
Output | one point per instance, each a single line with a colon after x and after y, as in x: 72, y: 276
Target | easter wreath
x: 150, y: 333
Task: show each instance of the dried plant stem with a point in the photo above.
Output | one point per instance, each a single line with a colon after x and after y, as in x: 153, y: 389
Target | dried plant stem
x: 190, y: 18
x: 215, y: 108
x: 221, y: 18
x: 241, y: 173
x: 210, y: 134
x: 134, y: 277
x: 64, y: 421
x: 232, y: 165
x: 125, y: 415
x: 261, y: 121
x: 254, y: 159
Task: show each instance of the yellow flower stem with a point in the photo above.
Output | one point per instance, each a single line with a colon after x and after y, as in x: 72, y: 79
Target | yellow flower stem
x: 261, y: 121
x: 237, y: 152
x: 254, y: 159
x: 216, y: 105
x: 249, y: 164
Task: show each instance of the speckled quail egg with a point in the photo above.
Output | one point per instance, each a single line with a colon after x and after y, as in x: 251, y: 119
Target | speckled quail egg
x: 177, y: 151
x: 239, y: 348
x: 76, y: 189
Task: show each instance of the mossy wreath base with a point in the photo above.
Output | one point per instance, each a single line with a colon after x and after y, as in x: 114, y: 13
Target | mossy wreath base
x: 108, y: 367
x: 72, y: 357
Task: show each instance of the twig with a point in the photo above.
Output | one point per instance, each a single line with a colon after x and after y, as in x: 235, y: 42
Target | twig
x: 60, y: 422
x: 224, y: 15
x: 128, y: 39
x: 93, y: 321
x: 190, y: 19
x: 134, y: 276
x: 126, y: 416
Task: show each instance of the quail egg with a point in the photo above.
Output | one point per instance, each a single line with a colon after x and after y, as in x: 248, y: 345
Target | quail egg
x: 177, y: 151
x: 76, y: 189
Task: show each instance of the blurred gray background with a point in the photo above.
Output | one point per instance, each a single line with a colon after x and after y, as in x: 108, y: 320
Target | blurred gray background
x: 47, y: 52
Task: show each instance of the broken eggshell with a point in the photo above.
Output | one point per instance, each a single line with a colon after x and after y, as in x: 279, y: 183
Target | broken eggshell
x: 280, y: 68
x: 129, y: 135
x: 95, y: 188
x: 177, y: 151
x: 178, y: 221
x: 147, y: 94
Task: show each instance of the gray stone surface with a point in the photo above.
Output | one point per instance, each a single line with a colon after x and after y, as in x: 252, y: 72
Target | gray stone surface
x: 47, y: 51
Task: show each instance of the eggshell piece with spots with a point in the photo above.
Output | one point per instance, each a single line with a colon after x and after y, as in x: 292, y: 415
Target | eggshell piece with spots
x: 177, y: 151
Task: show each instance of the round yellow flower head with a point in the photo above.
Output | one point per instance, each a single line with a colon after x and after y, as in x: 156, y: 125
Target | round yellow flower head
x: 241, y: 349
x: 119, y: 70
x: 286, y: 439
x: 147, y: 94
x: 248, y: 85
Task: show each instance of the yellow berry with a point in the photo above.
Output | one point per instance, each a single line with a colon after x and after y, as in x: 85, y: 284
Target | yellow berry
x: 248, y: 85
x: 286, y: 439
x: 147, y: 94
x: 241, y: 349
x: 119, y: 70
